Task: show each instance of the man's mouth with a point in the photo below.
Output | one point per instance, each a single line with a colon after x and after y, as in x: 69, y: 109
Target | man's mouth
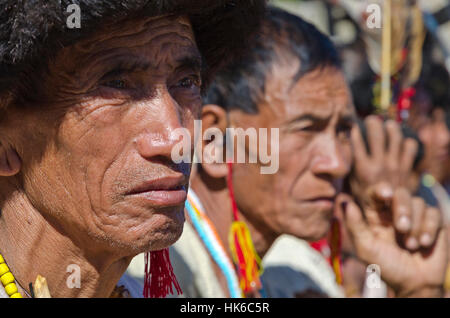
x: 323, y: 201
x: 163, y: 192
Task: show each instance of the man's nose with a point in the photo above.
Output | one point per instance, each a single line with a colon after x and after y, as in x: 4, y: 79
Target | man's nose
x: 158, y: 136
x: 329, y: 159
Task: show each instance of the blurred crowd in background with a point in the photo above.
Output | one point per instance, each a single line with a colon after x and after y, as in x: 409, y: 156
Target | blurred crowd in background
x: 428, y: 115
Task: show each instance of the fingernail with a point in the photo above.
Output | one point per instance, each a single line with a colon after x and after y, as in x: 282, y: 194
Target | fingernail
x: 411, y: 243
x: 425, y: 239
x: 386, y: 192
x: 403, y: 223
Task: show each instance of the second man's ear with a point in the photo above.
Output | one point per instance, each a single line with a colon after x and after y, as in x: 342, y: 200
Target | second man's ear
x: 10, y: 162
x: 214, y: 124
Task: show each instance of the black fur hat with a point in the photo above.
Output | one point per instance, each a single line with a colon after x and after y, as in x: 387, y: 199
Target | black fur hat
x: 30, y: 30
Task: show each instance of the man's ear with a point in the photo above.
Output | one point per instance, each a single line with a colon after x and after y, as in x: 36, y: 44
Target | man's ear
x: 215, y: 118
x: 10, y: 162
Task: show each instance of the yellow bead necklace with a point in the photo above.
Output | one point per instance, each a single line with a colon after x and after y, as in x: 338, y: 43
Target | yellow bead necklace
x: 8, y: 280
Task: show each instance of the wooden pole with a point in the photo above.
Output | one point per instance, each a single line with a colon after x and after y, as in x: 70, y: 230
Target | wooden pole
x: 386, y: 57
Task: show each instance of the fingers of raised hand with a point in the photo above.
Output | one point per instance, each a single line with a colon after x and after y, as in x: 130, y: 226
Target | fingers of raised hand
x: 417, y: 223
x: 389, y: 152
x: 409, y: 152
x: 381, y: 194
x: 357, y: 228
x: 376, y: 137
x: 359, y: 147
x: 395, y: 139
x: 402, y: 210
x: 412, y: 239
x: 431, y: 224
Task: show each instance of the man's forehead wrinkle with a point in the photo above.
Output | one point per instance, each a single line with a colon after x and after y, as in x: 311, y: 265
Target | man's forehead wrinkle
x: 133, y: 27
x: 300, y: 104
x: 71, y: 85
x: 92, y: 43
x: 172, y: 54
x: 145, y: 55
x: 296, y: 111
x: 170, y: 40
x: 64, y: 77
x: 95, y: 66
x: 192, y: 61
x: 134, y: 37
x: 134, y: 33
x: 73, y: 78
x: 153, y: 44
x: 103, y: 61
x: 161, y: 44
x: 145, y: 52
x: 168, y: 19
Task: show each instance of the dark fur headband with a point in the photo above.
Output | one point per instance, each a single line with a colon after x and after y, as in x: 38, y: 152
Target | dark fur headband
x: 31, y: 29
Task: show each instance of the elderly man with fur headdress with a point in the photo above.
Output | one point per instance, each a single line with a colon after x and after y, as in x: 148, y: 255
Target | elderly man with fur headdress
x: 87, y: 117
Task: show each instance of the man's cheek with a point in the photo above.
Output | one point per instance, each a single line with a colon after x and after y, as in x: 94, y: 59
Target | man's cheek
x: 86, y: 141
x: 289, y: 157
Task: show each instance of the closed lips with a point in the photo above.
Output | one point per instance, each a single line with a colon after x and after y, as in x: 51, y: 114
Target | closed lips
x: 162, y: 184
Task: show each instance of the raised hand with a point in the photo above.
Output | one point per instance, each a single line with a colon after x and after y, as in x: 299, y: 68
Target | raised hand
x: 389, y: 157
x: 402, y: 235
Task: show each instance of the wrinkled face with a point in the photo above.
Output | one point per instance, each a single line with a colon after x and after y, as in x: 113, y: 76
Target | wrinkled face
x: 314, y: 117
x: 96, y: 156
x: 433, y: 131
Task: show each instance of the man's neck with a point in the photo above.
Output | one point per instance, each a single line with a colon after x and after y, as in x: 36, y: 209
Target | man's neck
x: 218, y: 208
x: 32, y: 246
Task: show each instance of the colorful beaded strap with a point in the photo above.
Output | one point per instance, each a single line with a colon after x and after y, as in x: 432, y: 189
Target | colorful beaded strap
x: 210, y: 238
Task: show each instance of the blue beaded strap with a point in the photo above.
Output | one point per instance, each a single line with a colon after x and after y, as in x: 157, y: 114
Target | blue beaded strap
x: 213, y: 246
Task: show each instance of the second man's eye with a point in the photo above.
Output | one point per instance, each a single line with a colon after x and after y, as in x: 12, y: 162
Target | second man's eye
x: 344, y: 130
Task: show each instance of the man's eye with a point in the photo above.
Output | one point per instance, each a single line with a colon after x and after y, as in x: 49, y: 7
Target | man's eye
x: 116, y: 83
x: 310, y: 127
x: 344, y: 130
x: 189, y: 82
x: 307, y: 127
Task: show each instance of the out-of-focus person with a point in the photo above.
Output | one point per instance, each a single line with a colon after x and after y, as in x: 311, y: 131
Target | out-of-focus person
x: 291, y: 80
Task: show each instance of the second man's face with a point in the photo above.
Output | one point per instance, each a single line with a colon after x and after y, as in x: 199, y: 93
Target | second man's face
x: 314, y: 116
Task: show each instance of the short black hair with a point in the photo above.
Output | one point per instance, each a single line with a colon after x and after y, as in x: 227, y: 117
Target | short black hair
x: 362, y: 90
x: 242, y: 83
x: 435, y: 81
x: 32, y: 31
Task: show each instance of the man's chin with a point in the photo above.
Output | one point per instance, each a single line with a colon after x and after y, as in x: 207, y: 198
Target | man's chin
x: 161, y: 239
x: 133, y: 248
x: 317, y: 236
x: 156, y: 234
x: 315, y: 232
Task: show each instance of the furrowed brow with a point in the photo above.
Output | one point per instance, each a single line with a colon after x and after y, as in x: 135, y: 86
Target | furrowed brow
x: 193, y: 62
x: 127, y: 65
x: 311, y: 117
